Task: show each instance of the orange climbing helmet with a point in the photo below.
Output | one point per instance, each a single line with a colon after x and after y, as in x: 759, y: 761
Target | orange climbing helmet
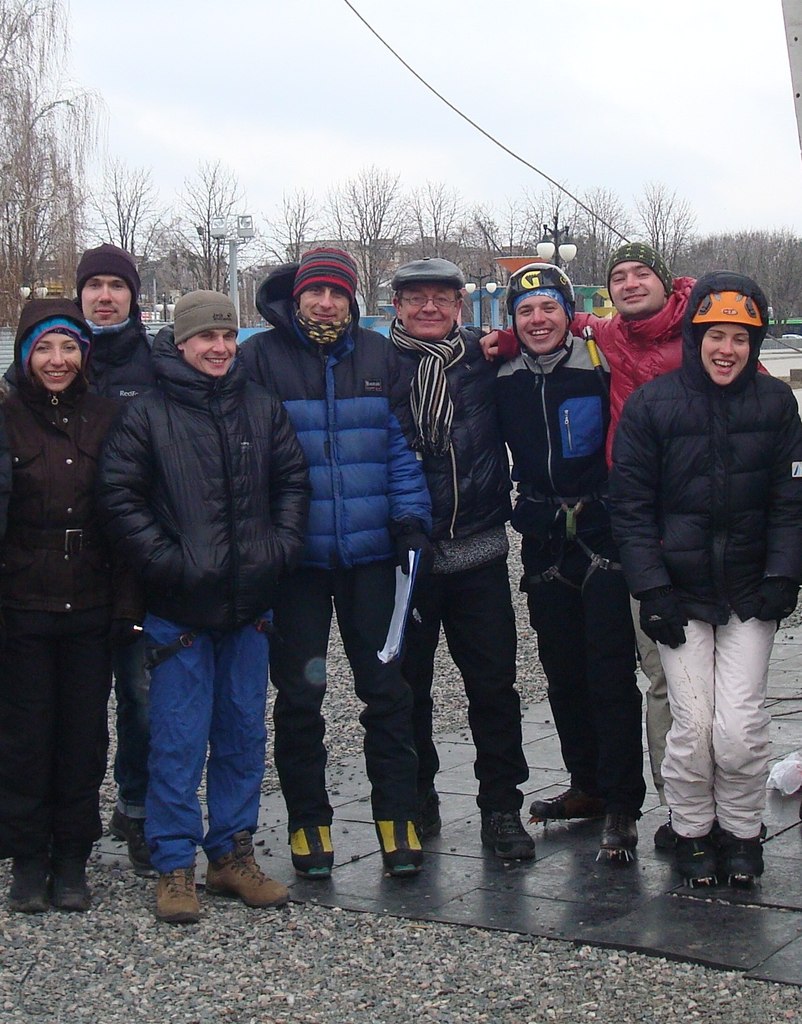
x: 728, y: 307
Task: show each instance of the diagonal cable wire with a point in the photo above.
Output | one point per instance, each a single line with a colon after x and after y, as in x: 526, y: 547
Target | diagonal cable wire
x: 480, y: 129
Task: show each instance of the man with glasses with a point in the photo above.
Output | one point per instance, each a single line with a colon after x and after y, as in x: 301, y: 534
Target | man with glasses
x: 448, y: 413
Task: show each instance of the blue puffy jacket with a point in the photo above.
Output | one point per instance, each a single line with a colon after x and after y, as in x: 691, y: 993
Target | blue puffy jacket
x: 364, y: 476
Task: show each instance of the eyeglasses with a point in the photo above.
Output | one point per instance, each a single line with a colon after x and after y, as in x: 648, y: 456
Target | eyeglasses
x: 419, y: 301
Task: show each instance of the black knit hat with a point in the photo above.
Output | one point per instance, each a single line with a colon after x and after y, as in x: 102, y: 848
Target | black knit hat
x: 323, y: 266
x: 109, y: 259
x: 640, y: 252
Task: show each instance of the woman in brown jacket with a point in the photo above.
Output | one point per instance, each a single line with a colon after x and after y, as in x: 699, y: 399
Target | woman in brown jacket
x: 59, y: 599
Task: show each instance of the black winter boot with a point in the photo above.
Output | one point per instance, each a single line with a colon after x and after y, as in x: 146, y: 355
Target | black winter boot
x: 69, y: 889
x: 740, y: 861
x: 29, y: 878
x: 696, y: 859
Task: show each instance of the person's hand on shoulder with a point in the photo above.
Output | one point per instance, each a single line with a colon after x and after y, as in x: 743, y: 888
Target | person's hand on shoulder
x: 489, y: 343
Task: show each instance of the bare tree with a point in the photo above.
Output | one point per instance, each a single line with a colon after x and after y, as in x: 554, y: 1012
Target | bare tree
x: 366, y: 216
x: 668, y: 222
x: 773, y: 258
x: 434, y: 212
x: 291, y: 231
x: 598, y: 232
x: 512, y: 230
x: 214, y: 192
x: 126, y: 208
x: 46, y: 133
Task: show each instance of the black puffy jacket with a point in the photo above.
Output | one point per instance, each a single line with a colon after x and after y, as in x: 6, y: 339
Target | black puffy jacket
x: 470, y: 484
x: 706, y: 486
x: 204, y: 488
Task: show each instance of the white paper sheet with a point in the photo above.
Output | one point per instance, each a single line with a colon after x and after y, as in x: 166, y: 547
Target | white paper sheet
x: 404, y: 582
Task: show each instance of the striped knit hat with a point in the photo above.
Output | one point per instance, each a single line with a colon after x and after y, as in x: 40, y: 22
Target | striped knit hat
x: 323, y: 266
x: 640, y: 252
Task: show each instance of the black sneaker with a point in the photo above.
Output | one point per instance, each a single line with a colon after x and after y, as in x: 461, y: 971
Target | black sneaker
x: 619, y: 837
x: 428, y: 823
x: 696, y: 859
x: 29, y: 881
x: 69, y: 889
x: 132, y: 832
x: 573, y: 803
x: 503, y: 833
x: 739, y: 861
x: 400, y: 846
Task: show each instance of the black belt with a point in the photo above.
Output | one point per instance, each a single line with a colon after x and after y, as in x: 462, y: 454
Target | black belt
x: 526, y: 491
x: 68, y: 540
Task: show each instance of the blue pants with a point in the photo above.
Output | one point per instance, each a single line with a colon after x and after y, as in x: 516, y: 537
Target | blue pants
x: 212, y: 693
x: 131, y: 760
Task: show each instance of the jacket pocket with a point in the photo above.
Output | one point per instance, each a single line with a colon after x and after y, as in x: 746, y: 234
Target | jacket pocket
x: 581, y: 426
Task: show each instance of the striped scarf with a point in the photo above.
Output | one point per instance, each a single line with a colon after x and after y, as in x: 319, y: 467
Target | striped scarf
x: 430, y: 402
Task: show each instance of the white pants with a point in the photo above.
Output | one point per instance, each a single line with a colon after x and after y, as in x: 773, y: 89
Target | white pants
x: 717, y: 753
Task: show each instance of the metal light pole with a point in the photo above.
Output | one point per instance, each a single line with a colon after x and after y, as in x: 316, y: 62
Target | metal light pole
x: 233, y: 230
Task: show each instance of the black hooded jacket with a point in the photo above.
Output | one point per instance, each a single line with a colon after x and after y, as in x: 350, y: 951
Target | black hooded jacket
x: 706, y: 486
x: 204, y: 488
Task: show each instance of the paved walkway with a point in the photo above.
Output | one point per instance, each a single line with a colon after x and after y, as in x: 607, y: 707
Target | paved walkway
x: 565, y: 894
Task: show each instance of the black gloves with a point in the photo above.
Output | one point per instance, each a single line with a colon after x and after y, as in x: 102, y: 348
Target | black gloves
x: 661, y: 616
x: 409, y: 536
x: 776, y: 598
x: 124, y: 632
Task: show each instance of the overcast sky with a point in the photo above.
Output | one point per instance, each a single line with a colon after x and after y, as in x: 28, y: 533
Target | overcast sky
x: 692, y: 93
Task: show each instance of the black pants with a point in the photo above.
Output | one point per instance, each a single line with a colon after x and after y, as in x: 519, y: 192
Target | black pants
x: 363, y: 599
x: 475, y: 609
x: 55, y: 680
x: 586, y: 644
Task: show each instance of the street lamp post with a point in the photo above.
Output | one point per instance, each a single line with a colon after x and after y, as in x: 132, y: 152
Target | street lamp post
x: 474, y: 290
x: 555, y: 247
x: 233, y: 230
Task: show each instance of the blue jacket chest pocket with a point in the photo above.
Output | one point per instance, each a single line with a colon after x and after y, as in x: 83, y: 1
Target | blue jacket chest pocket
x: 581, y: 426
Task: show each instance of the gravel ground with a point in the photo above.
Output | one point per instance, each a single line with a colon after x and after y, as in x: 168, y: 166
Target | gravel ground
x: 311, y: 965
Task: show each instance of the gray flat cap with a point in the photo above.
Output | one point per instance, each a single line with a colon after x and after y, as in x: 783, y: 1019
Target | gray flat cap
x: 430, y: 270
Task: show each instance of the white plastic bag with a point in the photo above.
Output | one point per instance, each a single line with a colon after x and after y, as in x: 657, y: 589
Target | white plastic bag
x: 786, y: 775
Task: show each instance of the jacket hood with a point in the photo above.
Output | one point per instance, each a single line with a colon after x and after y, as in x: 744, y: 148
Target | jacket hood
x: 274, y: 297
x: 36, y: 312
x: 722, y: 281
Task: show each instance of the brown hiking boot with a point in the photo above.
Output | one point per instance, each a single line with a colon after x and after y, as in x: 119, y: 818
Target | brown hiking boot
x: 238, y: 874
x: 573, y: 803
x: 176, y: 901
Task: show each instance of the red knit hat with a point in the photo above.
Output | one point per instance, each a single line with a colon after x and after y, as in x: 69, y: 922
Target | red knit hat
x: 323, y: 266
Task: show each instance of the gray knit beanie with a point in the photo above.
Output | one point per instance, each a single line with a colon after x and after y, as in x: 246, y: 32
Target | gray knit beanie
x: 203, y: 311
